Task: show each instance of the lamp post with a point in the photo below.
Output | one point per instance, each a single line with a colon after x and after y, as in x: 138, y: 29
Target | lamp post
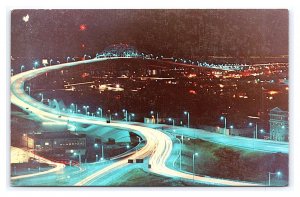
x: 152, y: 112
x: 28, y: 89
x: 99, y: 110
x: 35, y: 64
x: 131, y: 115
x: 68, y: 59
x: 108, y: 114
x: 255, y: 130
x: 126, y: 117
x: 22, y: 67
x: 195, y: 154
x: 86, y: 108
x: 225, y: 123
x: 102, y: 152
x: 74, y: 107
x: 173, y: 121
x: 273, y: 173
x: 42, y: 95
x: 181, y: 142
x: 188, y: 117
x: 51, y: 60
x: 116, y: 115
x: 79, y: 156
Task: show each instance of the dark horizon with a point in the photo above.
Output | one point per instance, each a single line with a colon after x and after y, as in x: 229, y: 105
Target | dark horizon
x: 230, y: 33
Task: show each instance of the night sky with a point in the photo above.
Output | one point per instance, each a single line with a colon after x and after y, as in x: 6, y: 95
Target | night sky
x: 179, y: 33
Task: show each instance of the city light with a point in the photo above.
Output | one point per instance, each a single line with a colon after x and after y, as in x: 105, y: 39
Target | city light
x: 36, y: 63
x: 82, y: 27
x: 211, y: 92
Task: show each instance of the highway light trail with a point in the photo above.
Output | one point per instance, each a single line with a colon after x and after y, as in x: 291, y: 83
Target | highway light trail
x: 158, y: 145
x: 57, y: 166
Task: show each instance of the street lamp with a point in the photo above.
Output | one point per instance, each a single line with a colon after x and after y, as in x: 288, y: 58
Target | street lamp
x: 42, y: 95
x: 79, y: 157
x: 278, y: 174
x: 99, y: 110
x: 51, y: 60
x: 126, y: 117
x: 74, y: 106
x: 255, y: 131
x: 116, y: 115
x: 152, y: 112
x: 102, y: 152
x: 131, y: 115
x: 173, y: 121
x: 195, y: 154
x: 225, y: 122
x: 68, y: 59
x: 22, y: 67
x: 86, y: 108
x: 36, y: 64
x: 28, y: 89
x: 85, y: 55
x: 188, y: 117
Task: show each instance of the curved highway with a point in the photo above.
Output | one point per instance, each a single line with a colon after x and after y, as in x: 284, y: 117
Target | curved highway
x: 158, y: 145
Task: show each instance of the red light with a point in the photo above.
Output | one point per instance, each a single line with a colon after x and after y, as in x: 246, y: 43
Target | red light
x: 192, y: 92
x: 82, y: 27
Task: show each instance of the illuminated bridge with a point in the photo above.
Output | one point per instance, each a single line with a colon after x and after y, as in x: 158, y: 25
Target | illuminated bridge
x: 125, y: 50
x: 119, y: 50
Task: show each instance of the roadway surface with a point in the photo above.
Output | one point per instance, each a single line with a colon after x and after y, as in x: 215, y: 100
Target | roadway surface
x: 158, y: 145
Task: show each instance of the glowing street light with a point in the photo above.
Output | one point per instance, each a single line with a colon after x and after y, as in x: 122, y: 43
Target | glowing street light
x: 86, y: 109
x: 85, y: 55
x: 173, y: 121
x: 225, y: 124
x: 79, y: 156
x: 131, y: 115
x: 36, y: 64
x: 278, y: 174
x: 195, y: 154
x: 22, y: 67
x: 99, y: 111
x: 74, y: 106
x: 126, y: 117
x: 188, y: 118
x: 28, y: 89
x: 42, y: 95
x: 102, y: 152
x: 255, y: 130
x: 152, y: 112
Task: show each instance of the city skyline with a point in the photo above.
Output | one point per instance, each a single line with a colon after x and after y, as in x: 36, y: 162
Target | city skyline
x: 149, y: 98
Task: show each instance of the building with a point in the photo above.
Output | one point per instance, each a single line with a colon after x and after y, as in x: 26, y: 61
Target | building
x: 279, y: 124
x: 54, y: 142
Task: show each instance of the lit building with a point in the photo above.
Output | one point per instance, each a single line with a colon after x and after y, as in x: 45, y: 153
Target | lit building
x: 54, y: 141
x: 278, y: 124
